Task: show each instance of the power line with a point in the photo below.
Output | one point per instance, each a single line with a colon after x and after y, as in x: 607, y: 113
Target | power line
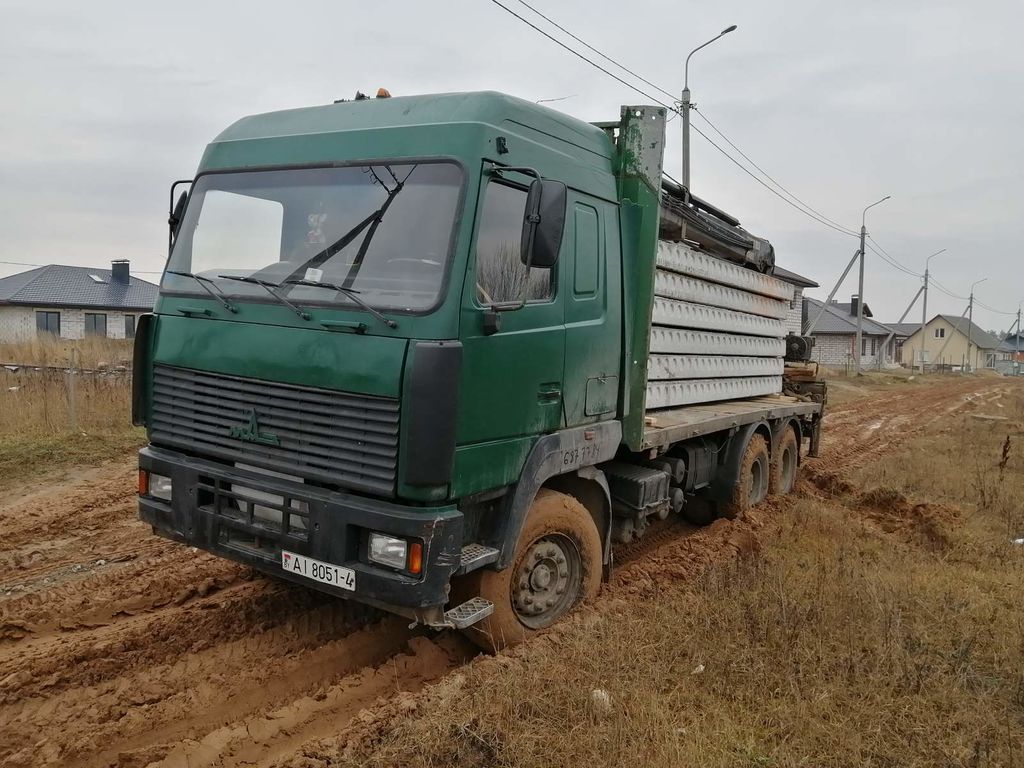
x: 945, y: 290
x: 885, y: 255
x: 990, y: 309
x: 809, y: 213
x: 775, y: 192
x: 767, y: 175
x: 576, y: 53
x: 588, y: 46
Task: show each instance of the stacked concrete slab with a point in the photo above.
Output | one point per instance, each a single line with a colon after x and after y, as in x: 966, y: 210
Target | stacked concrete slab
x: 717, y: 330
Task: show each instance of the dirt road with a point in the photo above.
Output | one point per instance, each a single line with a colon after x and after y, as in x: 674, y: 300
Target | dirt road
x: 118, y: 648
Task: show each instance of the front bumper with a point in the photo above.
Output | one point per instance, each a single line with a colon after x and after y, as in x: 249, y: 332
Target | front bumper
x: 203, y: 512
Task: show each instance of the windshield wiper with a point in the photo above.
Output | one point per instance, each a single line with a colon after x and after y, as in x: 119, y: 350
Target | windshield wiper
x: 351, y: 293
x: 370, y: 223
x: 220, y: 296
x: 269, y: 288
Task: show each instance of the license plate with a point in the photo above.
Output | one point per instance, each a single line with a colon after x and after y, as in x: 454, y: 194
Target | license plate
x: 325, y: 573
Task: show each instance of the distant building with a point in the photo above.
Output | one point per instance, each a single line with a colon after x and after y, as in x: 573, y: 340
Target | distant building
x: 946, y: 338
x: 901, y: 332
x: 73, y: 302
x: 835, y: 334
x: 794, y: 320
x: 1013, y: 347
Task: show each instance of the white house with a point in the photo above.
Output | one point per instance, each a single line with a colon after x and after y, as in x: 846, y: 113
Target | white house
x: 73, y: 302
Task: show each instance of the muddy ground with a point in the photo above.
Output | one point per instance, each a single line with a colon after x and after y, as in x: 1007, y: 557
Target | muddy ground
x: 119, y: 648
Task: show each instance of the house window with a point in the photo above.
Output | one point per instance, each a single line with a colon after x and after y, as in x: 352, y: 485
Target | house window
x: 874, y: 346
x: 129, y: 326
x: 500, y: 273
x: 48, y: 322
x: 95, y: 324
x: 940, y: 333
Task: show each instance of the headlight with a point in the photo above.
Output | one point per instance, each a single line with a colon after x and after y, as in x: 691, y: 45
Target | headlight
x: 160, y: 487
x: 387, y: 550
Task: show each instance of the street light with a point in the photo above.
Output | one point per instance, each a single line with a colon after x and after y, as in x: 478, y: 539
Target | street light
x: 684, y: 105
x: 924, y: 308
x: 970, y: 323
x: 860, y: 283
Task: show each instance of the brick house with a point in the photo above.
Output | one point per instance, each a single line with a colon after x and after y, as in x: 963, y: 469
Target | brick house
x: 836, y: 332
x: 794, y: 320
x: 73, y: 302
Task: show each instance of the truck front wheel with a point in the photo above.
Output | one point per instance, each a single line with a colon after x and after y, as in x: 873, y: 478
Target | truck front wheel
x: 557, y: 565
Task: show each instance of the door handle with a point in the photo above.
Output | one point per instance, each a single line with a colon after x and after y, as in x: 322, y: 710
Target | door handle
x: 549, y: 393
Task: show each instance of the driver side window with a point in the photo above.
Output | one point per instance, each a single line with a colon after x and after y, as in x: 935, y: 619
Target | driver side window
x: 501, y: 275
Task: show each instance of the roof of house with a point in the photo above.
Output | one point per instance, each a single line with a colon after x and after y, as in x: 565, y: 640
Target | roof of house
x: 63, y: 286
x: 793, y: 278
x: 983, y: 339
x: 905, y: 329
x: 837, y: 319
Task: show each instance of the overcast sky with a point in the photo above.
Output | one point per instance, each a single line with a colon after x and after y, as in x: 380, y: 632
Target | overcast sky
x: 104, y: 104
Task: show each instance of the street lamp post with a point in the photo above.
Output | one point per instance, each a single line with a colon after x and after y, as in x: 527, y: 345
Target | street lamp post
x: 924, y: 308
x: 860, y: 283
x: 684, y: 105
x: 970, y: 324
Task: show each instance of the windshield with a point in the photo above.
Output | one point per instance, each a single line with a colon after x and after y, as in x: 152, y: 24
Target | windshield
x: 381, y: 231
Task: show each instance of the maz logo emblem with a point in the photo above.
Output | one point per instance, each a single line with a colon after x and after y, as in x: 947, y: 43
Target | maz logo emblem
x: 250, y: 432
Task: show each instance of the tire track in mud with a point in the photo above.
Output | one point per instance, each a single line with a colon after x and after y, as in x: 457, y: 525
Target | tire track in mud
x: 170, y: 656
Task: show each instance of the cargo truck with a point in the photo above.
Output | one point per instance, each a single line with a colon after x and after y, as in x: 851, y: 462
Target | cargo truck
x: 441, y: 354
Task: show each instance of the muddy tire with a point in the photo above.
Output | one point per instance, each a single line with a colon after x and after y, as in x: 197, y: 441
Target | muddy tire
x: 557, y: 565
x: 784, y: 464
x: 752, y: 484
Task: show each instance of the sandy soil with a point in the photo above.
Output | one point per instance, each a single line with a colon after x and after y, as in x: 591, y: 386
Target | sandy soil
x: 119, y: 648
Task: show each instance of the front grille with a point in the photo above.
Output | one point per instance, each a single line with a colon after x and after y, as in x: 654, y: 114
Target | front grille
x: 333, y: 437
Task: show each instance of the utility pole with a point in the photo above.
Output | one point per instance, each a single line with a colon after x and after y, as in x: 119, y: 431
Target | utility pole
x: 970, y: 324
x: 684, y: 105
x: 1017, y: 356
x: 906, y: 312
x: 814, y: 323
x: 924, y: 308
x: 860, y: 283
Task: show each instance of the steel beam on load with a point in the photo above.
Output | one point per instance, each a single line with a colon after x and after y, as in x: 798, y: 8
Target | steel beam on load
x: 681, y: 341
x: 683, y: 314
x: 661, y: 367
x: 680, y: 258
x: 665, y: 394
x: 674, y: 286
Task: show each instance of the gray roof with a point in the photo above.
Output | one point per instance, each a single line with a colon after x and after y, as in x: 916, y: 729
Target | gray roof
x: 905, y: 329
x: 57, y: 285
x: 983, y: 339
x: 1009, y: 344
x: 793, y: 278
x: 837, y: 319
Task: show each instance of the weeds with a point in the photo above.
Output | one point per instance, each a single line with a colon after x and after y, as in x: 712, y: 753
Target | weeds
x: 47, y: 422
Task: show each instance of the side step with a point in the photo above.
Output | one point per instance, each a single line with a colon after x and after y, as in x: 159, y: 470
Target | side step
x: 476, y: 556
x: 469, y: 613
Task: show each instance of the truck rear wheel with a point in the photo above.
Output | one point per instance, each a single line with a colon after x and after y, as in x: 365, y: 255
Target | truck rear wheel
x: 752, y: 483
x: 784, y: 464
x: 557, y: 565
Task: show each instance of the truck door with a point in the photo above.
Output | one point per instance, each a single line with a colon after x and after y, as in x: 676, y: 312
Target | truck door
x: 511, y: 386
x: 593, y: 336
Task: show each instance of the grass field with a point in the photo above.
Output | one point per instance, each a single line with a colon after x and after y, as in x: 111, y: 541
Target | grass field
x: 37, y: 430
x: 875, y: 621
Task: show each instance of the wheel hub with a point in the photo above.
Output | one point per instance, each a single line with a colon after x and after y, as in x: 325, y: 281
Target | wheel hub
x: 547, y: 581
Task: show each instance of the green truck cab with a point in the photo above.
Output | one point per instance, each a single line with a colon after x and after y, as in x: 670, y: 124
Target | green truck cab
x: 401, y: 353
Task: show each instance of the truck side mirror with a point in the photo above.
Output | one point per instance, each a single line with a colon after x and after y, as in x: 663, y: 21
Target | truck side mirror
x: 175, y: 218
x: 544, y: 223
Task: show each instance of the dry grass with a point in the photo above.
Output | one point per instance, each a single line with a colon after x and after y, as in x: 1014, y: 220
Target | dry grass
x: 869, y: 631
x: 37, y: 432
